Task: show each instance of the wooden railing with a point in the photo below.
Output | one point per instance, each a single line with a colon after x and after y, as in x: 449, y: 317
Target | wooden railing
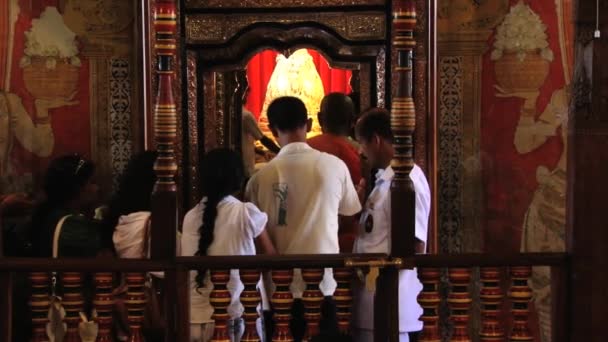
x: 494, y: 327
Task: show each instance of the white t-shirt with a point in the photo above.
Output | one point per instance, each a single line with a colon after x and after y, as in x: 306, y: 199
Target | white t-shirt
x: 303, y: 190
x: 250, y: 133
x: 236, y: 226
x: 378, y: 206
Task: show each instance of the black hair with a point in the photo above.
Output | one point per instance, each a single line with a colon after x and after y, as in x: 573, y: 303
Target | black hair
x: 133, y: 193
x: 222, y: 174
x: 287, y: 114
x: 337, y: 112
x: 375, y: 121
x: 64, y: 180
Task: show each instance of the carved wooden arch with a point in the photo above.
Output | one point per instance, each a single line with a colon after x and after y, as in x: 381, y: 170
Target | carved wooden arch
x: 237, y: 51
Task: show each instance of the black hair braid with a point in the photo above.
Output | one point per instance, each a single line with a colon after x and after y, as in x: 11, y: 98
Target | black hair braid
x: 222, y: 175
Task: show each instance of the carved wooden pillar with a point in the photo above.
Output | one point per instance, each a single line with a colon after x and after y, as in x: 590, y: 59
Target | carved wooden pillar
x: 343, y: 297
x: 164, y: 197
x: 491, y: 301
x: 459, y: 300
x: 73, y: 303
x: 520, y: 294
x: 164, y: 214
x: 312, y: 299
x: 104, y: 305
x: 250, y: 298
x: 220, y: 300
x: 39, y: 305
x: 136, y: 304
x: 429, y: 300
x: 403, y: 122
x: 282, y: 301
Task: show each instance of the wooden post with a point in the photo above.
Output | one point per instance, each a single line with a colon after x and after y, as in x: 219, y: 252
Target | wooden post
x: 220, y: 300
x: 250, y: 298
x: 459, y: 300
x: 282, y: 301
x: 403, y: 120
x: 39, y: 305
x: 136, y: 304
x: 520, y: 294
x: 429, y: 300
x: 403, y: 203
x: 164, y: 198
x: 491, y: 301
x: 182, y: 312
x: 104, y: 305
x: 586, y: 231
x: 312, y: 299
x: 343, y: 297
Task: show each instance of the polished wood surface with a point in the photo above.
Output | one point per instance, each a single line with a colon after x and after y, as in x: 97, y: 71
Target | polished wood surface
x: 459, y: 301
x: 521, y: 295
x: 429, y: 300
x: 492, y: 324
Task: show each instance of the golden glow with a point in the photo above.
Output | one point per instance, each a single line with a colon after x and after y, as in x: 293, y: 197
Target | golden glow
x: 295, y: 76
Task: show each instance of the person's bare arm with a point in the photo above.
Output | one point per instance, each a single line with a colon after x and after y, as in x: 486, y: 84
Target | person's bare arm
x: 347, y: 232
x: 419, y: 247
x: 264, y: 245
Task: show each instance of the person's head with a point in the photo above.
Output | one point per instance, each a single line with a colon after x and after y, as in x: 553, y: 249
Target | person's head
x: 288, y: 120
x: 222, y: 174
x: 134, y: 189
x: 373, y: 131
x: 69, y: 183
x: 336, y: 114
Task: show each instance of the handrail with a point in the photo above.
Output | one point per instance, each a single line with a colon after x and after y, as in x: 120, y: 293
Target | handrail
x: 493, y: 260
x: 265, y: 262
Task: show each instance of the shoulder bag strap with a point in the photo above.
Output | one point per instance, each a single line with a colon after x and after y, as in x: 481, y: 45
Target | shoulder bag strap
x: 56, y: 235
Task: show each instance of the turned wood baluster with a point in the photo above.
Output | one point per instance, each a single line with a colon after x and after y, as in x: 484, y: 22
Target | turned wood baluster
x: 491, y: 301
x: 520, y: 294
x: 104, y: 305
x: 136, y: 304
x: 459, y: 301
x: 220, y: 300
x: 39, y: 305
x: 73, y: 303
x: 343, y: 297
x: 250, y: 298
x: 429, y: 300
x: 282, y: 301
x: 312, y: 299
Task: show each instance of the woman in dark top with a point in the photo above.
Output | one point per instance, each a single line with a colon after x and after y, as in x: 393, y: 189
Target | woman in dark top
x: 70, y: 193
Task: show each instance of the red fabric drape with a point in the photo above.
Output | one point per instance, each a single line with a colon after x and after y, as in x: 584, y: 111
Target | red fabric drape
x: 261, y: 66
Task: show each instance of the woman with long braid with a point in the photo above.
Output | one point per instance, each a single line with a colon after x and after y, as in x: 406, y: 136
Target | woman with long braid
x: 221, y: 225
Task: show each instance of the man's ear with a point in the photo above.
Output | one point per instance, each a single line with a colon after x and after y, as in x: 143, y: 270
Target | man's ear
x: 274, y: 131
x: 377, y: 140
x: 308, y: 125
x: 321, y: 118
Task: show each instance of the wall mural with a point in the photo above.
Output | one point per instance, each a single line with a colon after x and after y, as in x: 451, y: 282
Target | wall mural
x: 57, y: 61
x: 505, y: 69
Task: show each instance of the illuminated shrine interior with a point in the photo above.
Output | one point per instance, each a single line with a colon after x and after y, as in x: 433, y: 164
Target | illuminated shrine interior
x: 456, y: 191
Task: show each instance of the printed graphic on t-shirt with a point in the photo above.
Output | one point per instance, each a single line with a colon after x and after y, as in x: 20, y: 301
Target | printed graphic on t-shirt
x: 280, y: 193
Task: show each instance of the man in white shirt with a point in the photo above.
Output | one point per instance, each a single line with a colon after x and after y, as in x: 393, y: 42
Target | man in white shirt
x: 303, y: 191
x: 373, y: 132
